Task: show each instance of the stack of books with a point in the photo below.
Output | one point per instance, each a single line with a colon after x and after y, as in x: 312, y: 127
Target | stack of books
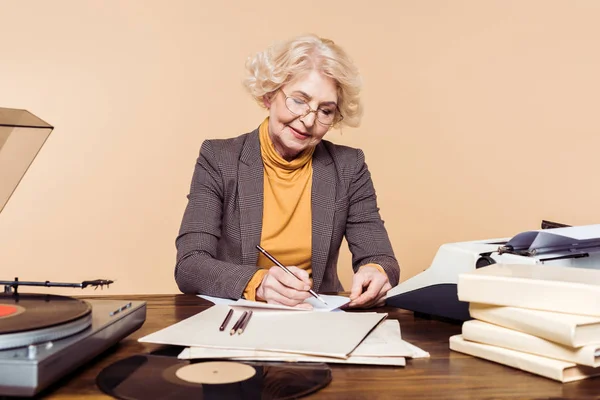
x: 538, y: 318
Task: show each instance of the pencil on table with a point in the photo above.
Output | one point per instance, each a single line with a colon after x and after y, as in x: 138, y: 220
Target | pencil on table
x: 244, y: 324
x: 238, y: 323
x: 226, y: 321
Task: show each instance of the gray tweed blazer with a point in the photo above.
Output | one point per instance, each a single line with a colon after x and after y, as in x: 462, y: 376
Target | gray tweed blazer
x: 216, y: 253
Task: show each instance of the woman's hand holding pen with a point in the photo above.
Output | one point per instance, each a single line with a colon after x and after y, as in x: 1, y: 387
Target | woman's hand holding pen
x: 369, y: 287
x: 279, y: 287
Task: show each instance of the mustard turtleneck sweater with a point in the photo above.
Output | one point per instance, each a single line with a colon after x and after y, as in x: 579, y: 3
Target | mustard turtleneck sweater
x: 287, y: 216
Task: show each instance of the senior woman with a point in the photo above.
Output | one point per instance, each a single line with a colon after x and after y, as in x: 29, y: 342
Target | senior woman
x: 286, y: 189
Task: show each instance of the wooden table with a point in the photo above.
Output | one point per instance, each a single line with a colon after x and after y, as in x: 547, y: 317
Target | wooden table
x: 446, y: 375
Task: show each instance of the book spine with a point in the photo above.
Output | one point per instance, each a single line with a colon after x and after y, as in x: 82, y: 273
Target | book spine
x: 553, y: 369
x: 525, y: 321
x: 555, y: 296
x: 494, y: 335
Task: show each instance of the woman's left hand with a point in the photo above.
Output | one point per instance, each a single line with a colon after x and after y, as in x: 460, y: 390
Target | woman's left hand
x: 369, y: 287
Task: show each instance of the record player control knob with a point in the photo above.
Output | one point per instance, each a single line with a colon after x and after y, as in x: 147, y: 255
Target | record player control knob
x: 31, y: 351
x: 49, y: 345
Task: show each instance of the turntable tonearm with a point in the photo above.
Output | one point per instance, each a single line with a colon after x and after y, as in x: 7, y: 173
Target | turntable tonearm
x: 43, y: 337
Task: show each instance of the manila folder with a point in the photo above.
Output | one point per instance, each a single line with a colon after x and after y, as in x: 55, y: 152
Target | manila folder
x: 333, y: 334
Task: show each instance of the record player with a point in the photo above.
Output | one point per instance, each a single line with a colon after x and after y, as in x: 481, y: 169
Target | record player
x: 43, y: 337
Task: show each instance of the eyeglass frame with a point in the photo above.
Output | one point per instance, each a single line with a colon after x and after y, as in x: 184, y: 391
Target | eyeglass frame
x: 310, y: 110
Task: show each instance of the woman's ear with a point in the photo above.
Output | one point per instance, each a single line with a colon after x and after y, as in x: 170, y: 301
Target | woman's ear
x: 267, y: 100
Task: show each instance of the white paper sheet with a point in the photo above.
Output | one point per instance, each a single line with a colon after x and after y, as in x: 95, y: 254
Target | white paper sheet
x: 217, y: 300
x: 384, y: 341
x: 333, y: 303
x: 417, y: 352
x: 383, y: 346
x: 249, y: 355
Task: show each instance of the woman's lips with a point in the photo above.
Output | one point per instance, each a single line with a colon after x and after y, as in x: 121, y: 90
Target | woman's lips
x: 298, y: 134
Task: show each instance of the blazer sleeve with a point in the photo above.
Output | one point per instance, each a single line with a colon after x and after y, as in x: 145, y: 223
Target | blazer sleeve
x: 365, y: 231
x: 198, y: 270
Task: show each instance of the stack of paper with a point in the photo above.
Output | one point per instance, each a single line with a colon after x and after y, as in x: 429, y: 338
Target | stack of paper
x: 538, y: 318
x: 278, y: 334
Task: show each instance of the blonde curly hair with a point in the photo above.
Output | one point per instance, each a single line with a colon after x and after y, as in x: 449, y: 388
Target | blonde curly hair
x: 279, y: 64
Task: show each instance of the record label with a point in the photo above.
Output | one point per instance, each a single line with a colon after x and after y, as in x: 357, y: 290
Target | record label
x: 160, y: 377
x: 10, y: 310
x: 215, y: 372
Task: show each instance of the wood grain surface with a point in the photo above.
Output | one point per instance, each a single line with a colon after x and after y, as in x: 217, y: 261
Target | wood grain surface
x: 446, y: 375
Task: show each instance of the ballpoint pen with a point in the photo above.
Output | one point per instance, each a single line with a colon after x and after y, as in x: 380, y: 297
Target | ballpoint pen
x: 280, y: 265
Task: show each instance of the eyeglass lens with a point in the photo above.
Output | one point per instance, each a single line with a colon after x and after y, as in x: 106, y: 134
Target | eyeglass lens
x: 325, y: 115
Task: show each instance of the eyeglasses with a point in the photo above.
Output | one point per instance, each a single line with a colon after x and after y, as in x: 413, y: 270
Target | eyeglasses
x: 326, y: 115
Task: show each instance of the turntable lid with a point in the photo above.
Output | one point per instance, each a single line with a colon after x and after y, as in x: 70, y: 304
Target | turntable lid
x: 22, y: 135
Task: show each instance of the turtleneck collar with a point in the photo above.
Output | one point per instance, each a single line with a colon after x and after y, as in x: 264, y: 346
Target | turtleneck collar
x: 271, y: 157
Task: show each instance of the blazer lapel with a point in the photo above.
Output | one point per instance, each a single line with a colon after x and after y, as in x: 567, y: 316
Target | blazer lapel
x: 250, y: 197
x: 323, y: 205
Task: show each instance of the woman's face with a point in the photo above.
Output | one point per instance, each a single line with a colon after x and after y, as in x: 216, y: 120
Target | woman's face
x: 291, y: 134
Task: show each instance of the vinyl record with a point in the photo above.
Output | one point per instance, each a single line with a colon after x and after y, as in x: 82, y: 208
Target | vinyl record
x: 7, y: 311
x: 159, y: 377
x: 36, y: 311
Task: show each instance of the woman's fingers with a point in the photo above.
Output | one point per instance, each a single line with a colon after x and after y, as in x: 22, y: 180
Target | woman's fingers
x: 298, y: 281
x: 376, y: 284
x: 279, y: 287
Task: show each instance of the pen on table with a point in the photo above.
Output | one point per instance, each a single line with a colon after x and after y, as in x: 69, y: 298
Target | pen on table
x: 244, y: 323
x: 280, y: 265
x: 226, y: 321
x: 238, y: 323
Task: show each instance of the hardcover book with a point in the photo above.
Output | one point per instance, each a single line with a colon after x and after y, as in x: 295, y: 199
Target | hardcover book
x: 568, y: 329
x: 557, y: 370
x: 540, y: 287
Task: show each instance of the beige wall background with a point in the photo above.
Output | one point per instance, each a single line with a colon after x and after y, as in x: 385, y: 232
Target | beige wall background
x: 481, y: 120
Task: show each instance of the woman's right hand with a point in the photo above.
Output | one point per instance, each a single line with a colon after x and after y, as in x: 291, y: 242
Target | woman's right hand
x: 279, y: 287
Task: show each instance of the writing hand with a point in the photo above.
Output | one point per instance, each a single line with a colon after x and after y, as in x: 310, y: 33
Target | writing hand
x: 369, y: 287
x: 279, y: 287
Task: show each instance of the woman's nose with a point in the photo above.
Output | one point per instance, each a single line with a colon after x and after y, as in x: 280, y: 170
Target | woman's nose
x: 308, y: 119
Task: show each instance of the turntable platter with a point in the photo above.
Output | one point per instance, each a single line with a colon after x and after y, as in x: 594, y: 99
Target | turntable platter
x: 27, y: 312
